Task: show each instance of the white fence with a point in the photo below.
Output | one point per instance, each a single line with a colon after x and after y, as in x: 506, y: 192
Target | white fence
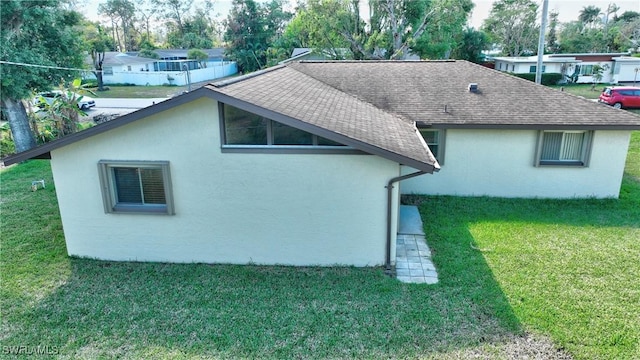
x: 214, y: 70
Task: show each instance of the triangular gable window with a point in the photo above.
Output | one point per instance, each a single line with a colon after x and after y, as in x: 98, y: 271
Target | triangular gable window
x: 247, y: 129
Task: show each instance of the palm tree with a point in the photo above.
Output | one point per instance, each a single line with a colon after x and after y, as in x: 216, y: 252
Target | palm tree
x: 589, y: 15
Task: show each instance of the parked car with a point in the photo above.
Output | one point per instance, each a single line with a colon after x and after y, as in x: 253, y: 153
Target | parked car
x: 621, y: 96
x: 85, y: 102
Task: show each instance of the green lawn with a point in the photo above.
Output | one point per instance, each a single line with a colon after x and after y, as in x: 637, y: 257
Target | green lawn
x: 585, y: 91
x: 568, y: 268
x: 138, y: 91
x: 523, y: 277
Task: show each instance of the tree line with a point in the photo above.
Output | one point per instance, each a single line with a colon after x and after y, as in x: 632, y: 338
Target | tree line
x: 260, y: 34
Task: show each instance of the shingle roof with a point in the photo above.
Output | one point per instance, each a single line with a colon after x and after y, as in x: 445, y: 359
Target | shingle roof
x: 374, y: 105
x: 421, y: 90
x: 293, y: 98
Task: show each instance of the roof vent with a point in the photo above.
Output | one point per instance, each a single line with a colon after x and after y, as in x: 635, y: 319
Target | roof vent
x: 473, y: 87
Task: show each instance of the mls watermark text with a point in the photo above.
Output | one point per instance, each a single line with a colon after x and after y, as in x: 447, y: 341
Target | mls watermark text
x: 30, y: 350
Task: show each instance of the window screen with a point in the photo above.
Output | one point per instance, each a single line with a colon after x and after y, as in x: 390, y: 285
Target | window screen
x: 143, y: 187
x: 564, y: 148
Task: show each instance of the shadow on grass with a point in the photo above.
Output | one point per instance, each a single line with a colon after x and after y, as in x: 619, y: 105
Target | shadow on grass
x: 141, y: 309
x: 564, y: 265
x: 94, y: 309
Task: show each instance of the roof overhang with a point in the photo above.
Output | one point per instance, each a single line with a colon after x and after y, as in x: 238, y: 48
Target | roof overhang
x: 319, y: 131
x: 44, y: 151
x: 426, y: 125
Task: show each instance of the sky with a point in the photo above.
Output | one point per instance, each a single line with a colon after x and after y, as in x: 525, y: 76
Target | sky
x: 568, y: 10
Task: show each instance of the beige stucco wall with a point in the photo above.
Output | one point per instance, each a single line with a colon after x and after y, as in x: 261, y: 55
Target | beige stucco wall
x: 230, y: 208
x: 500, y: 163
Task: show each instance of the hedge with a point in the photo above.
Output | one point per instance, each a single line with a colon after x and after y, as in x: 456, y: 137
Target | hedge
x: 547, y: 78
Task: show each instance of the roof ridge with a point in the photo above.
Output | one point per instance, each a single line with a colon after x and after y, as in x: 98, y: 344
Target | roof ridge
x: 291, y: 66
x: 250, y: 75
x: 378, y: 61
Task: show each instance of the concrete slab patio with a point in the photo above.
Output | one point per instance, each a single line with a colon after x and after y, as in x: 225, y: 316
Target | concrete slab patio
x: 413, y: 256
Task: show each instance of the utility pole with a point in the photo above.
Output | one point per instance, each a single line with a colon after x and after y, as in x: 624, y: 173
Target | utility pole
x: 543, y: 28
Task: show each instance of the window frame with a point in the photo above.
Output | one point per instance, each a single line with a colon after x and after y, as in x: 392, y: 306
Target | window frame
x: 109, y: 192
x: 533, y: 68
x: 588, y: 71
x: 441, y: 142
x: 270, y: 147
x: 585, y: 155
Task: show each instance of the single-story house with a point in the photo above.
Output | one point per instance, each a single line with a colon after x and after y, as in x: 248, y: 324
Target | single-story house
x: 172, y: 68
x: 300, y: 164
x: 618, y: 67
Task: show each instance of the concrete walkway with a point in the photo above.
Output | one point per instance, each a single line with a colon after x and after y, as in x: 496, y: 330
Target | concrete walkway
x: 413, y: 256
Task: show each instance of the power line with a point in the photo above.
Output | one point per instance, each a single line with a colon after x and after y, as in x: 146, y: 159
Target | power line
x: 44, y: 66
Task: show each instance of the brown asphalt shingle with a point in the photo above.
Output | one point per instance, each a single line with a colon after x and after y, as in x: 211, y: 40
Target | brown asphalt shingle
x: 374, y: 105
x: 420, y: 90
x: 291, y: 93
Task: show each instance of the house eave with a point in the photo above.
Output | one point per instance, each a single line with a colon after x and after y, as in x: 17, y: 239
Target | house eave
x: 316, y: 130
x: 44, y: 151
x: 425, y: 125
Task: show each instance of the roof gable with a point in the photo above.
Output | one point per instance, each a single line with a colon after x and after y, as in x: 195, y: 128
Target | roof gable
x: 315, y: 107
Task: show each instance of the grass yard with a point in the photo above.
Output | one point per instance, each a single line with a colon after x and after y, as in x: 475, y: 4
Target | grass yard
x: 583, y: 90
x: 94, y: 309
x: 138, y: 91
x: 568, y: 268
x: 518, y: 278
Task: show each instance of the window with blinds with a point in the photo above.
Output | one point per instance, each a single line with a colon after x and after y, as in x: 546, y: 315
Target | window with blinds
x: 570, y: 148
x: 136, y: 187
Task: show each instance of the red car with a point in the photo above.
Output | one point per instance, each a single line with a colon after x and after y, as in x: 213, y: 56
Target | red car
x: 621, y: 96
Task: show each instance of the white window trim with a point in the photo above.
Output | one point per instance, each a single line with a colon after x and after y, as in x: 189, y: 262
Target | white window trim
x: 585, y: 156
x: 107, y: 185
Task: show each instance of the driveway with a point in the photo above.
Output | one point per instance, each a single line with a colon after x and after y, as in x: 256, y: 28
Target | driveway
x: 118, y: 106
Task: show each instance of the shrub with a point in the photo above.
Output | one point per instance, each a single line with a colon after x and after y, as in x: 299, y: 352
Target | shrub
x: 88, y: 83
x: 7, y: 146
x: 547, y: 78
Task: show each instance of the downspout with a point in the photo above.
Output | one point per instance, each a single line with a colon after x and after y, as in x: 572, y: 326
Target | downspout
x: 389, y: 205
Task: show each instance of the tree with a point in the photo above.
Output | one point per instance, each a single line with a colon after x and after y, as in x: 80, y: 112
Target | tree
x: 552, y: 36
x: 251, y: 30
x: 471, y: 47
x: 627, y: 16
x: 589, y: 15
x: 598, y: 72
x: 611, y: 9
x: 396, y: 27
x: 64, y: 112
x: 198, y: 55
x: 512, y: 25
x: 148, y: 53
x: 308, y: 30
x: 576, y: 38
x: 444, y: 30
x: 175, y: 10
x: 97, y: 42
x: 146, y: 11
x: 122, y: 12
x: 34, y: 32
